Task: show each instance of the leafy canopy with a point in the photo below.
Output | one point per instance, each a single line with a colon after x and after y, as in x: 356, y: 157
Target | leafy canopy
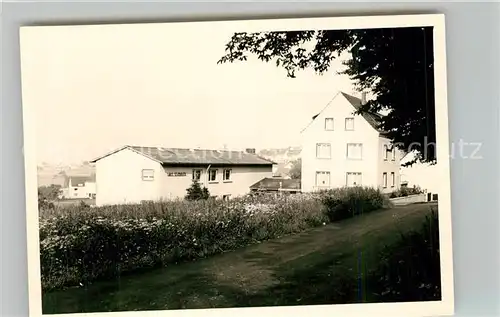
x: 395, y: 64
x: 296, y: 169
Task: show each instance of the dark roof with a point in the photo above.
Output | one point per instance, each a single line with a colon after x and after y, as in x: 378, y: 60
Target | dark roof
x: 372, y: 118
x: 274, y: 184
x: 177, y: 156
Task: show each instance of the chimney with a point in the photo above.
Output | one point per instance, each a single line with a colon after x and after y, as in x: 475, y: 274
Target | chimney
x: 363, y: 97
x: 250, y: 151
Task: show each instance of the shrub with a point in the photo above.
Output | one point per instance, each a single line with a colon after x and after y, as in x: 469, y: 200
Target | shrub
x: 196, y: 192
x: 410, y: 269
x: 348, y: 202
x: 407, y: 191
x: 79, y: 245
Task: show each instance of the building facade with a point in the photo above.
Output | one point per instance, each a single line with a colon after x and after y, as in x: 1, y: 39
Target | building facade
x: 340, y: 148
x: 134, y: 174
x: 79, y: 187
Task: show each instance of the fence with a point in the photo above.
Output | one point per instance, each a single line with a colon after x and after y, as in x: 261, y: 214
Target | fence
x: 412, y: 199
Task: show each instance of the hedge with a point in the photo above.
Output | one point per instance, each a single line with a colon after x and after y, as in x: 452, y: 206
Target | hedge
x: 79, y: 244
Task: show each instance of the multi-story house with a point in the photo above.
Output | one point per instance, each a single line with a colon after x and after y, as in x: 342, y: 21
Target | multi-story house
x: 341, y: 148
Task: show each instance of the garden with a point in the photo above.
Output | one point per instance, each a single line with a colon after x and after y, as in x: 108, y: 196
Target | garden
x: 80, y: 244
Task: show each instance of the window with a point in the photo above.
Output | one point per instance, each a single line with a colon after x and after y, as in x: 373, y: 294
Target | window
x: 353, y: 179
x: 148, y: 175
x: 349, y: 124
x: 385, y: 152
x: 393, y: 153
x: 393, y: 179
x: 323, y: 150
x: 329, y: 124
x: 384, y: 180
x: 226, y: 197
x: 212, y: 175
x: 196, y: 175
x: 323, y: 179
x: 355, y: 151
x: 227, y: 175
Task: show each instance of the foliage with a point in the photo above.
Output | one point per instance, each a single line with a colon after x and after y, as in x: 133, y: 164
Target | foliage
x: 395, y: 64
x: 410, y: 269
x: 48, y: 194
x: 196, y: 192
x: 296, y: 170
x: 80, y: 244
x: 407, y: 191
x: 348, y: 202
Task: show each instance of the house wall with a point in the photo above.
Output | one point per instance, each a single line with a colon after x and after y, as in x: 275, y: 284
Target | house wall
x: 239, y: 184
x: 421, y: 174
x: 388, y: 166
x: 339, y: 165
x: 90, y: 188
x: 119, y: 179
x: 77, y: 192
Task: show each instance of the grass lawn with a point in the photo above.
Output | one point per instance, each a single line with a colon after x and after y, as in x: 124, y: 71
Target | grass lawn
x: 304, y: 269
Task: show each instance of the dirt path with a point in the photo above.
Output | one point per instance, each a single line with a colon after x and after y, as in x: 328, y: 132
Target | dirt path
x: 297, y: 268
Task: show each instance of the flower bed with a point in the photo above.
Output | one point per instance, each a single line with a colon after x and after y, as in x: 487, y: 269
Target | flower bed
x: 79, y: 244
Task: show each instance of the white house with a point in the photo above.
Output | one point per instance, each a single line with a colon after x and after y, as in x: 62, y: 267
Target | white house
x: 132, y: 174
x: 79, y: 187
x: 341, y: 149
x: 420, y: 174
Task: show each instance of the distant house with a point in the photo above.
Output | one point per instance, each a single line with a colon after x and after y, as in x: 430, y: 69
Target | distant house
x: 341, y: 148
x: 132, y: 174
x: 79, y: 187
x: 291, y: 186
x: 419, y: 174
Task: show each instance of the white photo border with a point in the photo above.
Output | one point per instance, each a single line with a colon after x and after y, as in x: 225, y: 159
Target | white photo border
x: 434, y: 308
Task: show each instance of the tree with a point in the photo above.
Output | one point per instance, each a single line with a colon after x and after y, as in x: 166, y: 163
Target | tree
x: 47, y: 194
x: 50, y: 192
x: 295, y: 171
x: 395, y: 64
x: 196, y: 192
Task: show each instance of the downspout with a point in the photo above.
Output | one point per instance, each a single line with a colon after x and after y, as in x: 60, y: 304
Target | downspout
x: 208, y: 168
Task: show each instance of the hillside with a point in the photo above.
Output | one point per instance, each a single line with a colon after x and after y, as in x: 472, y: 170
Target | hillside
x: 283, y: 156
x: 49, y: 174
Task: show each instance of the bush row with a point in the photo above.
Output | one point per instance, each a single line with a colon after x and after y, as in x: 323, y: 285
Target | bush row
x: 410, y: 269
x: 79, y: 244
x: 407, y: 191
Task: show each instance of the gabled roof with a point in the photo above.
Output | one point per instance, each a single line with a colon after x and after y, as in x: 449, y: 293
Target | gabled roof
x: 274, y: 184
x: 178, y: 156
x: 372, y: 118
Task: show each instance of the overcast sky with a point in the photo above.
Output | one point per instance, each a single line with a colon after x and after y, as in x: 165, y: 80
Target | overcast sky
x: 96, y: 88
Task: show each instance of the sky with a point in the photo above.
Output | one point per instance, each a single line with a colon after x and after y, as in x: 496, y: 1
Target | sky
x: 97, y: 88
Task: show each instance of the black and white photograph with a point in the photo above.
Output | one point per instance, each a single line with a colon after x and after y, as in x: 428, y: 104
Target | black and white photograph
x: 276, y: 165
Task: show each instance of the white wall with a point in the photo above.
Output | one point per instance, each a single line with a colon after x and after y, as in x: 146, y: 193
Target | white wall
x: 90, y: 189
x: 339, y: 165
x: 420, y: 174
x: 388, y: 166
x: 241, y: 179
x: 119, y: 179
